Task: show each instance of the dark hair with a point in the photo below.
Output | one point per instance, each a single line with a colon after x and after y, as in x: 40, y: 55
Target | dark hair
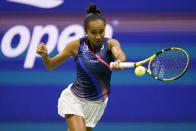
x: 93, y: 13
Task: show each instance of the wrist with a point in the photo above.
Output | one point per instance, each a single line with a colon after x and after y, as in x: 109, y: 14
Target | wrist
x: 44, y: 56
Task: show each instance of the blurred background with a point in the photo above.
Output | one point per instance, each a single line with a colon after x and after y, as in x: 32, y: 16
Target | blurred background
x: 29, y: 93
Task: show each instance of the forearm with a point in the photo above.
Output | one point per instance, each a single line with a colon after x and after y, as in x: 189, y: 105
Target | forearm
x: 52, y: 63
x: 47, y: 61
x: 120, y: 56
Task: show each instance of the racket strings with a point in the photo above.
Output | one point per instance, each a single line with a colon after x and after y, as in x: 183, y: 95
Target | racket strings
x: 169, y: 64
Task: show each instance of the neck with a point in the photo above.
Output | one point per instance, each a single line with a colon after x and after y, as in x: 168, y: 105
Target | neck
x: 92, y: 47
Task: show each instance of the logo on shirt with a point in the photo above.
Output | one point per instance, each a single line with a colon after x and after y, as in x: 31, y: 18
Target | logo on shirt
x: 102, y: 47
x: 85, y: 47
x: 95, y: 61
x: 40, y: 3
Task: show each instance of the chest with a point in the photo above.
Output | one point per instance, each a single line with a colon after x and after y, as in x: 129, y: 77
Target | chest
x: 94, y: 62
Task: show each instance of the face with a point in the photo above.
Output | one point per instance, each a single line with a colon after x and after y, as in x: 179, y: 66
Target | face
x: 95, y: 32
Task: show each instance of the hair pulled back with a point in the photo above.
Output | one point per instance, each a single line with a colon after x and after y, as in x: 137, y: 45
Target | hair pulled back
x: 93, y: 13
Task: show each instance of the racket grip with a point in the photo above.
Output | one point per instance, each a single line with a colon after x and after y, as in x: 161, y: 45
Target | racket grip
x: 125, y: 64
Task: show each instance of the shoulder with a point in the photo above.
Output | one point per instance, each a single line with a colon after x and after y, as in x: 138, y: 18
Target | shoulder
x: 72, y: 47
x: 75, y: 44
x: 83, y: 39
x: 112, y: 42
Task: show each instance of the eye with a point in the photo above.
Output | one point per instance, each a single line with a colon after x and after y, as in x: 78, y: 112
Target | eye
x: 93, y: 32
x: 101, y: 32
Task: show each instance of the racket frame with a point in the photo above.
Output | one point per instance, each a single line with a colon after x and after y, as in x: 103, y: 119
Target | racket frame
x: 178, y: 76
x: 150, y: 59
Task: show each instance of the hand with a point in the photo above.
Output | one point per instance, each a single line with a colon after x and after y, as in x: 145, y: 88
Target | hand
x: 42, y: 50
x: 116, y: 65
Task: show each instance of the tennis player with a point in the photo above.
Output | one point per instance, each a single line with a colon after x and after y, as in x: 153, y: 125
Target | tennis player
x: 83, y: 102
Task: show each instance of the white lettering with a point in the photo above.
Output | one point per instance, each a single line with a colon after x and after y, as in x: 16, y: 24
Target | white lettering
x: 38, y: 32
x: 40, y: 3
x: 95, y: 61
x: 70, y: 33
x: 6, y: 42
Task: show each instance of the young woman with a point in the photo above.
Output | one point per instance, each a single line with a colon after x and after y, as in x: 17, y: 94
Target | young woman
x: 83, y: 102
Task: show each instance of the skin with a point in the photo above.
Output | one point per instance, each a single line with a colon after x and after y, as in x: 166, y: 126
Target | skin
x: 96, y: 33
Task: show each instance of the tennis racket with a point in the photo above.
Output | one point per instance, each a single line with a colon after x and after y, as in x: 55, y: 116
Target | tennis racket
x: 166, y: 65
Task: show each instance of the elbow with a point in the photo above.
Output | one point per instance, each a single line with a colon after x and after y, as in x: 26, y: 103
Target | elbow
x: 49, y: 65
x: 50, y: 68
x: 123, y: 58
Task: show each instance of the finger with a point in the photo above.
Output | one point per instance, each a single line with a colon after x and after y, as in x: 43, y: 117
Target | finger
x: 118, y: 61
x: 111, y: 64
x: 115, y: 65
x: 39, y: 47
x: 45, y: 52
x: 43, y: 47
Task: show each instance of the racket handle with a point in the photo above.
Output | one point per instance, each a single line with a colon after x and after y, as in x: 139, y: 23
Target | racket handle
x: 125, y: 64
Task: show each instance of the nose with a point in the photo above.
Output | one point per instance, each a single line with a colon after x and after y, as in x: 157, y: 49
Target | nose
x: 98, y: 36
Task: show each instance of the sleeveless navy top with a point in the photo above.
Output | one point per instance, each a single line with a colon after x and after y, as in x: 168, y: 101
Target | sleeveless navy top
x: 93, y: 71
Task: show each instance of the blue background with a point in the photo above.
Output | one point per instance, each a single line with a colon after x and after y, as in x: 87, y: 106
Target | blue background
x: 143, y: 28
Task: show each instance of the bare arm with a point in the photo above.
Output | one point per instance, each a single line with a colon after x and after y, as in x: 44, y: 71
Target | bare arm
x: 51, y: 63
x: 117, y: 53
